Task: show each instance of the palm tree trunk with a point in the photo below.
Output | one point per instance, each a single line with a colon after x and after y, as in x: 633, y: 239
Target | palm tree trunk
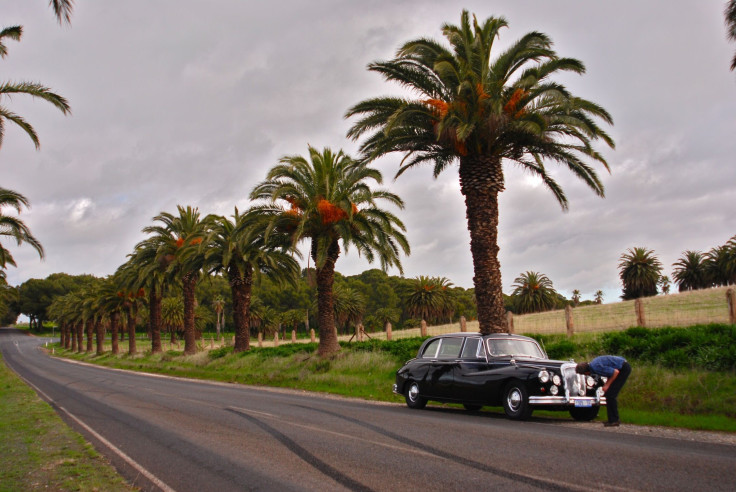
x: 131, y: 331
x: 154, y: 318
x: 89, y: 328
x: 114, y: 326
x: 80, y: 336
x: 325, y: 302
x: 240, y: 288
x: 189, y: 282
x: 481, y: 180
x: 99, y: 336
x: 73, y: 337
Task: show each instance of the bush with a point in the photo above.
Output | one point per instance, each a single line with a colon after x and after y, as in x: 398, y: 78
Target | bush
x: 709, y: 347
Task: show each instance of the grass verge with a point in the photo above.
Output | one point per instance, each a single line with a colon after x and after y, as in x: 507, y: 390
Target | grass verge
x: 39, y: 452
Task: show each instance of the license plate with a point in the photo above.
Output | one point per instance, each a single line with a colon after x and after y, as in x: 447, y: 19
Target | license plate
x: 583, y: 403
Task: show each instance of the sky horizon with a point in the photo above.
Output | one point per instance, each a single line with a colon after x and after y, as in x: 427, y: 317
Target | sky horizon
x: 193, y: 105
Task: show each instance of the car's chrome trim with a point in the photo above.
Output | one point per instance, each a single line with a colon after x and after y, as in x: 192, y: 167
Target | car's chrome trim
x: 396, y: 389
x: 561, y: 400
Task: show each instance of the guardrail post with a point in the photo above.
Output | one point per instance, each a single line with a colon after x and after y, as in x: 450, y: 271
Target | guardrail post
x: 731, y: 299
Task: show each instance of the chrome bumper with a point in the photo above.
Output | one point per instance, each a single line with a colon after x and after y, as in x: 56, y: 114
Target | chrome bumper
x: 396, y: 390
x: 571, y: 401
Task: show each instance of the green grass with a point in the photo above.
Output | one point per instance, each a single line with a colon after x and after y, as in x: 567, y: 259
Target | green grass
x: 653, y: 395
x: 39, y: 452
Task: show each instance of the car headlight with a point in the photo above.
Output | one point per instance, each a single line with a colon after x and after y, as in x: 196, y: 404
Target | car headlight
x: 554, y: 390
x: 556, y: 380
x: 590, y: 381
x: 543, y: 376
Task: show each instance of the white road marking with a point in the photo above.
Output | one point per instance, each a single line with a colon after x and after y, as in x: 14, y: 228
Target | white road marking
x: 137, y: 466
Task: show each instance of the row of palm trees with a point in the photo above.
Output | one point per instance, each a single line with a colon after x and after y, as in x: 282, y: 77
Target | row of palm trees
x: 326, y: 198
x: 641, y: 271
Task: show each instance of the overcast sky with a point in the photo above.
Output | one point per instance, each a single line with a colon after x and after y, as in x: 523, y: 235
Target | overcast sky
x: 190, y: 102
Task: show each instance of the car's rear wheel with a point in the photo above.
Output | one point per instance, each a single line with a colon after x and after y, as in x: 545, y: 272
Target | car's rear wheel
x: 413, y: 400
x: 516, y: 401
x: 584, y: 414
x: 472, y: 408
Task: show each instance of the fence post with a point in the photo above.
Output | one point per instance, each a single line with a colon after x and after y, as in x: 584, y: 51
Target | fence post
x: 260, y: 339
x: 388, y: 331
x: 510, y: 321
x: 311, y: 335
x: 463, y: 324
x: 569, y: 321
x: 293, y: 336
x: 423, y: 328
x: 276, y: 339
x: 731, y: 299
x: 639, y: 308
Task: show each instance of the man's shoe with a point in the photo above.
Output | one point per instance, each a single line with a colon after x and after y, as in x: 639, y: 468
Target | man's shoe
x: 611, y: 424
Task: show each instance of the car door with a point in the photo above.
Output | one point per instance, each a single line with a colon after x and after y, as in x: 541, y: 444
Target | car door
x: 470, y: 372
x: 439, y: 382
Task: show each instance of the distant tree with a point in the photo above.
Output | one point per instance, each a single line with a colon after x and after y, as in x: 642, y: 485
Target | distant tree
x: 218, y: 305
x: 664, y: 284
x: 719, y: 265
x: 429, y: 299
x: 598, y: 297
x: 730, y: 14
x: 386, y: 316
x: 639, y: 270
x: 690, y: 271
x: 480, y: 111
x: 575, y: 297
x: 533, y: 293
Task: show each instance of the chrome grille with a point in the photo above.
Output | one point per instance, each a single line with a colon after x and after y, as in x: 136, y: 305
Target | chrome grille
x: 574, y: 383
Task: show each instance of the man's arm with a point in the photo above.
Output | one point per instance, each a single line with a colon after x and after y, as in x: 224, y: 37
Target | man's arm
x: 610, y: 380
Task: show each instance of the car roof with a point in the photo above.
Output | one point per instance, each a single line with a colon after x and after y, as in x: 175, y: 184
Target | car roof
x: 489, y: 335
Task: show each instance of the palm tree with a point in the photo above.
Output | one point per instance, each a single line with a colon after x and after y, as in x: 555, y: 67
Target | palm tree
x: 14, y: 227
x: 172, y: 315
x: 429, y: 299
x: 244, y: 249
x: 598, y: 297
x: 478, y: 112
x: 664, y: 283
x: 719, y: 265
x: 178, y: 238
x: 33, y: 89
x: 349, y: 306
x: 533, y: 293
x: 575, y: 297
x: 690, y: 272
x: 730, y: 14
x: 639, y: 271
x: 62, y: 10
x: 332, y: 202
x: 387, y: 316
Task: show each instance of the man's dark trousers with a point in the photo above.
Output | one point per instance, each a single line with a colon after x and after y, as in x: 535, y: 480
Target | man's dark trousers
x: 612, y: 393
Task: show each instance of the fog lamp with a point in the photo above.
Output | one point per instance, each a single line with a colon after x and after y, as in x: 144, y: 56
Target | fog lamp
x: 554, y: 390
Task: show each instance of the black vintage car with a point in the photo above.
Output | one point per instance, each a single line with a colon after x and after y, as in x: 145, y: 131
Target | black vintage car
x: 512, y: 371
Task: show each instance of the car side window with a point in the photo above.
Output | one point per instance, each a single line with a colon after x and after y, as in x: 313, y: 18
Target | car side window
x: 430, y: 351
x: 472, y: 349
x: 450, y: 348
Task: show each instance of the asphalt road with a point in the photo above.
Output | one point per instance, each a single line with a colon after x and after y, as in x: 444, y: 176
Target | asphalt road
x: 173, y: 434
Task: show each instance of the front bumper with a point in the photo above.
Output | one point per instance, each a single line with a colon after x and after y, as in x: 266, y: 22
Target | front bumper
x: 572, y: 401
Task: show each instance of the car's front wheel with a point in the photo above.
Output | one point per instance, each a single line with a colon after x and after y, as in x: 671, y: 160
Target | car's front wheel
x: 413, y: 400
x: 584, y: 414
x: 516, y: 401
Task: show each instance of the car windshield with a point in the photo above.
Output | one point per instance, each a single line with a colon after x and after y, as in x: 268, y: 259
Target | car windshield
x: 514, y: 347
